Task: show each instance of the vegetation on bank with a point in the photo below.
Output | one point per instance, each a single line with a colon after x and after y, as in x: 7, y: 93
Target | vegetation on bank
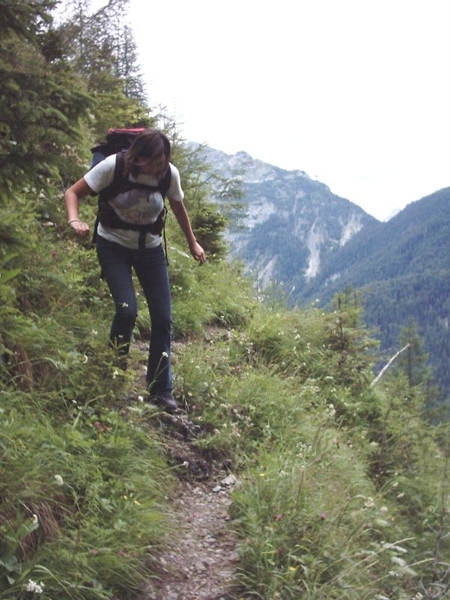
x: 344, y: 485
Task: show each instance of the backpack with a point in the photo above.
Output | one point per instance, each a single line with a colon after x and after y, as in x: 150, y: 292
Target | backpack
x: 117, y: 142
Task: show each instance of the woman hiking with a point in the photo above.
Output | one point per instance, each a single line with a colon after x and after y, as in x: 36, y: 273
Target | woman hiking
x: 130, y: 222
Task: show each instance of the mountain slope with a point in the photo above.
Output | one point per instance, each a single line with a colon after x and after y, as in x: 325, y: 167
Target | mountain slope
x: 416, y: 240
x: 290, y: 224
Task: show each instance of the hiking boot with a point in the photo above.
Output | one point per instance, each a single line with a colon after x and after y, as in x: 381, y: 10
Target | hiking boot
x: 165, y: 401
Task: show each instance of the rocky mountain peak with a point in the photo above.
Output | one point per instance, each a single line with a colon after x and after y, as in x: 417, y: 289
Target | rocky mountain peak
x: 289, y: 222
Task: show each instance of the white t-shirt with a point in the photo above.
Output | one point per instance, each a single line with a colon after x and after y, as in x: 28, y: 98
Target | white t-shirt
x: 135, y: 206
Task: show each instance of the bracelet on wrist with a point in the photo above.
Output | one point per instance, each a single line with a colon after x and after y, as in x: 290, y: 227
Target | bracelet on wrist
x: 73, y: 221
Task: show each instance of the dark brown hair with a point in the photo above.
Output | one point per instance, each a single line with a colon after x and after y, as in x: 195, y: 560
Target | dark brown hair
x: 150, y: 144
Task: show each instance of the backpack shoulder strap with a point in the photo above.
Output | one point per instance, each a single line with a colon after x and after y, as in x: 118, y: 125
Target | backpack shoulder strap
x: 112, y: 189
x: 164, y: 183
x: 118, y: 179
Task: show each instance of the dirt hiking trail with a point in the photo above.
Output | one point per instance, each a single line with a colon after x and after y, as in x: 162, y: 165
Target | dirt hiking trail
x: 199, y: 561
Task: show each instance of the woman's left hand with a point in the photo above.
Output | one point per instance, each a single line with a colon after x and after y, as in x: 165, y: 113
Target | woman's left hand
x: 197, y: 252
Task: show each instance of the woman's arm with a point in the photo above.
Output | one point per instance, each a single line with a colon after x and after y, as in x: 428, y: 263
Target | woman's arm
x: 181, y: 215
x: 72, y: 197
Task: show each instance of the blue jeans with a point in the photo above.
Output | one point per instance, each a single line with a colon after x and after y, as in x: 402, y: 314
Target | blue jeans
x: 150, y: 266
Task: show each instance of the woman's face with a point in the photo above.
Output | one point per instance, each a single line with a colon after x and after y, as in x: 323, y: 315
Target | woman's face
x: 151, y: 166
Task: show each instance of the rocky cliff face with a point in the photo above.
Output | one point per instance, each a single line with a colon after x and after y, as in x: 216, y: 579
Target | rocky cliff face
x: 288, y: 224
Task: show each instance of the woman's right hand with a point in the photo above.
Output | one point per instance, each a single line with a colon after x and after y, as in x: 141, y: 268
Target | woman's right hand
x: 80, y: 228
x: 72, y: 196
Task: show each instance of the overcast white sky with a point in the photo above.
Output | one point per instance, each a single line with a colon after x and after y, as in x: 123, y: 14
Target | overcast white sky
x: 356, y: 93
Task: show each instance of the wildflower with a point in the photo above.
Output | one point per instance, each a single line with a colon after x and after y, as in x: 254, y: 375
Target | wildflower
x: 394, y: 574
x: 388, y: 546
x: 85, y: 359
x: 32, y: 586
x: 115, y: 373
x: 59, y: 480
x: 35, y: 519
x: 398, y: 561
x: 140, y: 398
x: 165, y: 355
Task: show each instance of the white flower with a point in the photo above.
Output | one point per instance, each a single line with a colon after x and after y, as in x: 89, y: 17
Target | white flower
x: 59, y: 480
x: 398, y: 561
x: 32, y: 586
x: 369, y: 503
x: 165, y: 355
